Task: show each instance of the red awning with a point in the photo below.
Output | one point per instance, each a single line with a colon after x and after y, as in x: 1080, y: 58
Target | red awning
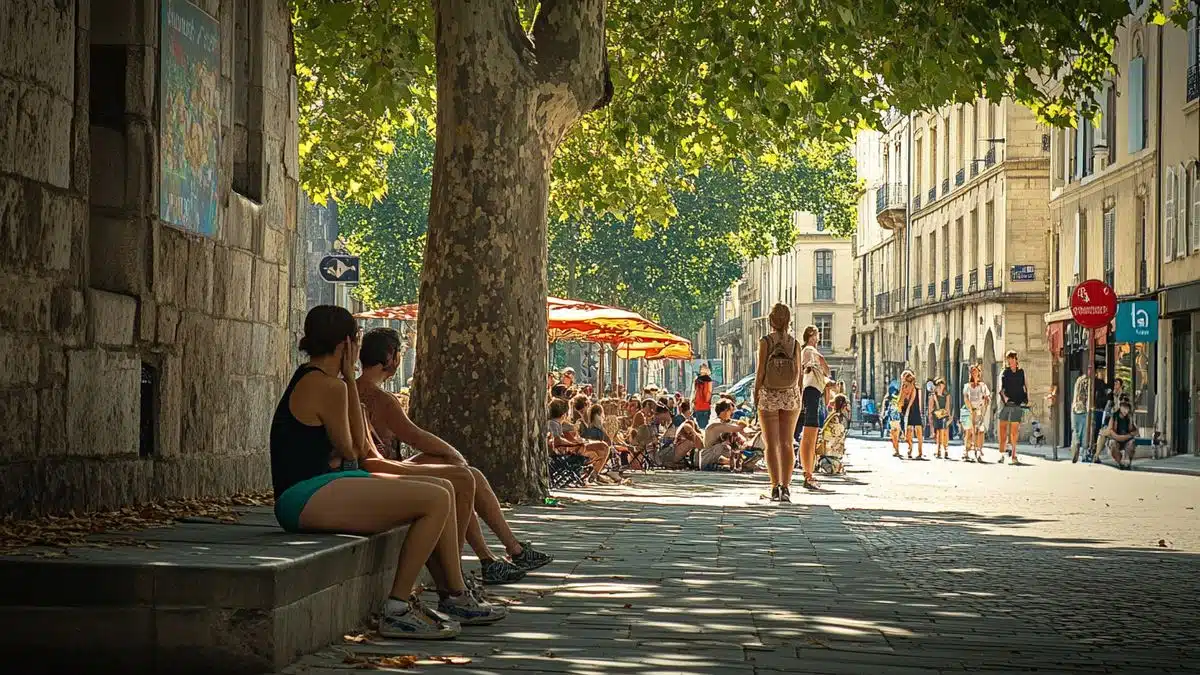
x: 1054, y: 338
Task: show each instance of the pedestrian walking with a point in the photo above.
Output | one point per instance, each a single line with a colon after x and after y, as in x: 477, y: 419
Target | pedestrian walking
x: 702, y: 395
x: 911, y: 418
x: 1079, y: 417
x: 929, y: 430
x: 815, y: 382
x: 939, y: 409
x: 778, y: 397
x: 976, y: 399
x: 1015, y: 395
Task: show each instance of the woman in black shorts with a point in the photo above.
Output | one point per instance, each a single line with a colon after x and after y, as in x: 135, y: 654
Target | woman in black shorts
x: 910, y: 405
x: 814, y: 375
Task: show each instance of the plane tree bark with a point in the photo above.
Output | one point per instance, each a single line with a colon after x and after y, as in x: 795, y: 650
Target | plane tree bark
x: 505, y: 99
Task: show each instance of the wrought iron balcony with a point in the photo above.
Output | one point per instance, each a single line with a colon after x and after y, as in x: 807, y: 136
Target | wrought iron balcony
x: 891, y: 205
x: 931, y: 292
x: 960, y: 177
x: 1193, y: 82
x: 989, y: 277
x: 945, y: 186
x: 822, y: 293
x: 730, y: 331
x: 945, y: 289
x: 990, y: 158
x: 932, y: 195
x: 958, y: 287
x: 973, y: 281
x: 917, y: 203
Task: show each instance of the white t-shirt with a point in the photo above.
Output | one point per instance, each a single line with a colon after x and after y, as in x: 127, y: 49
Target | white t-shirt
x: 974, y: 395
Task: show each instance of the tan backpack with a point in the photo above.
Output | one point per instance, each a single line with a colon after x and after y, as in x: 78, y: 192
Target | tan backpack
x: 782, y: 369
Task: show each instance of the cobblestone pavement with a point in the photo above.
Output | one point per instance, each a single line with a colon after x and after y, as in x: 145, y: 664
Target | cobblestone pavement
x: 904, y: 567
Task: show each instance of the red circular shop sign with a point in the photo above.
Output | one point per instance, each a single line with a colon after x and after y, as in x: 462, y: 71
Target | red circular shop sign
x: 1093, y: 304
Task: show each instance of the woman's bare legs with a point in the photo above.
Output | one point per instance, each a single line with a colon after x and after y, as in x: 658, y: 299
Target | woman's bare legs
x: 808, y: 451
x: 377, y: 504
x: 487, y: 506
x: 598, y: 451
x: 460, y: 479
x: 908, y: 434
x: 787, y: 431
x: 770, y: 431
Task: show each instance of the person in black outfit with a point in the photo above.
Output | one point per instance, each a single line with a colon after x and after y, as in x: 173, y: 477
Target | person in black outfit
x: 1015, y: 395
x: 318, y: 436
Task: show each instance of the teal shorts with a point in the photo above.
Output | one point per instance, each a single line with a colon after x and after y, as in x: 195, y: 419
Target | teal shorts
x: 291, y: 503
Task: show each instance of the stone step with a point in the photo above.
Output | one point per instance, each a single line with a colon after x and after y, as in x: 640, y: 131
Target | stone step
x: 193, y: 597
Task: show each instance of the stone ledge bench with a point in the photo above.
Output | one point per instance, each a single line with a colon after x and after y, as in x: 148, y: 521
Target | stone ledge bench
x: 211, y: 597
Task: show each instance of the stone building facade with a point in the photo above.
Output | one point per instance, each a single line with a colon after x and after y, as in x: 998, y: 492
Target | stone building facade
x: 141, y: 358
x: 1125, y: 208
x: 957, y: 270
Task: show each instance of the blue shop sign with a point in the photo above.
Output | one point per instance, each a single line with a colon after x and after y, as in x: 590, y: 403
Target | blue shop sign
x: 1137, y: 321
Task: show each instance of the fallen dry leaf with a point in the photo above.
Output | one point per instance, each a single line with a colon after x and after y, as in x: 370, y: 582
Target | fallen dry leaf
x: 404, y: 661
x: 452, y: 660
x: 356, y: 638
x: 548, y: 654
x: 627, y: 606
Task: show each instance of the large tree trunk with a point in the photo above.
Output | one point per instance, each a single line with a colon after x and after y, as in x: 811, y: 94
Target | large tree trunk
x: 504, y: 103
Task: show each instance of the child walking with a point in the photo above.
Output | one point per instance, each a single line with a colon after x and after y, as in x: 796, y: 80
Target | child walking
x: 939, y: 405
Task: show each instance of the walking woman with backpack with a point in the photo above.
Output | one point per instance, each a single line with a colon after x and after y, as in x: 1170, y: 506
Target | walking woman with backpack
x: 777, y: 395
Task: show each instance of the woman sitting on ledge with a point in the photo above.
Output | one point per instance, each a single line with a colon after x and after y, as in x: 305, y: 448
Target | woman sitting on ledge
x: 316, y: 444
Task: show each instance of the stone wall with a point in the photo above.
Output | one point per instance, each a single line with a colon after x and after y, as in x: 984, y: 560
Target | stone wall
x: 137, y: 360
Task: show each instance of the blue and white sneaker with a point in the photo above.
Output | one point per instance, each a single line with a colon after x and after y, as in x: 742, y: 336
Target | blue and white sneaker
x: 414, y: 621
x: 468, y: 610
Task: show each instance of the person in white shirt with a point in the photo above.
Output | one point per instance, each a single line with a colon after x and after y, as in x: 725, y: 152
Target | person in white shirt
x: 976, y: 399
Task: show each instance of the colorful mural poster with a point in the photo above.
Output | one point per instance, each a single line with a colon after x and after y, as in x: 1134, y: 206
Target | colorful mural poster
x: 190, y: 128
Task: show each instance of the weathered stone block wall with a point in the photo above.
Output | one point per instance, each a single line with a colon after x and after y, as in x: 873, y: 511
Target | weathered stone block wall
x: 137, y: 360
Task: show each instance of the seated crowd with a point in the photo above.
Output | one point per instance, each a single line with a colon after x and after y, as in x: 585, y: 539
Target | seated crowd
x: 656, y: 429
x: 336, y: 465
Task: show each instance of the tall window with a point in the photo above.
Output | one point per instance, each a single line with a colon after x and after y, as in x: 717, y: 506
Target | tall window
x: 920, y: 168
x: 1080, y: 246
x: 962, y: 137
x: 824, y: 323
x: 946, y: 150
x: 933, y: 156
x: 917, y: 267
x: 1110, y: 121
x: 1143, y: 272
x: 973, y: 241
x: 933, y: 272
x: 1139, y: 122
x: 958, y: 249
x: 823, y: 261
x: 946, y: 251
x: 989, y: 236
x: 1182, y: 205
x: 1055, y: 300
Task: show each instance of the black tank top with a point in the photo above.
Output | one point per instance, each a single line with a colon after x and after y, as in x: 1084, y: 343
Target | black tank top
x: 298, y: 451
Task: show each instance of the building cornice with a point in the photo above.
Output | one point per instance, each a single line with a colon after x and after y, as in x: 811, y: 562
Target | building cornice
x: 1076, y: 190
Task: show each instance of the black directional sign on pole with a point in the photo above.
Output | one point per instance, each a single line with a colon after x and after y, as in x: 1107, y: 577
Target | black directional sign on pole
x: 339, y: 269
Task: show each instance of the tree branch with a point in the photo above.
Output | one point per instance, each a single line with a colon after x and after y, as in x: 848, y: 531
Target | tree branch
x: 572, y: 59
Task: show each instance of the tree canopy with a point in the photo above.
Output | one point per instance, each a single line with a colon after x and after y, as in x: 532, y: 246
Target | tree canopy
x: 703, y: 82
x: 674, y: 273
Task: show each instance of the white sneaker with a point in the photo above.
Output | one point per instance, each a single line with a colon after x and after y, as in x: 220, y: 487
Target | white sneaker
x: 416, y: 622
x: 468, y: 610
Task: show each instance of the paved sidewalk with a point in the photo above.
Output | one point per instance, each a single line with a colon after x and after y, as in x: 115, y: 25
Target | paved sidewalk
x: 695, y: 573
x: 1188, y: 465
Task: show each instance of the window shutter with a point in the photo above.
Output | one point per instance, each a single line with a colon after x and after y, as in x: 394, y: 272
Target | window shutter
x: 1169, y: 216
x: 1136, y: 73
x: 1196, y: 206
x: 1181, y: 211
